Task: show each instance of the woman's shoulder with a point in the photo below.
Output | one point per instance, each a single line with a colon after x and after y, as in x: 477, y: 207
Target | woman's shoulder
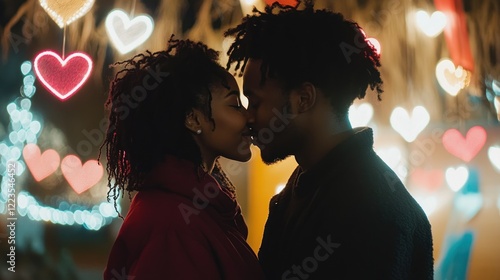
x: 161, y: 210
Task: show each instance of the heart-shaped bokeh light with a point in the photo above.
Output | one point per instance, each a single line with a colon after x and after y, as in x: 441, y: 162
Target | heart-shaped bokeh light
x: 452, y: 79
x: 41, y: 165
x: 456, y: 177
x: 409, y: 126
x: 81, y: 177
x: 431, y: 25
x: 465, y: 148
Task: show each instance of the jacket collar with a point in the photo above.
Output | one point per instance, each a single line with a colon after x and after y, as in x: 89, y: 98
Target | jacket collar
x: 359, y: 142
x: 184, y: 178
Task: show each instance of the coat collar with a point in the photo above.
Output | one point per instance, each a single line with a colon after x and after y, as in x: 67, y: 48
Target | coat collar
x: 359, y: 142
x: 184, y: 178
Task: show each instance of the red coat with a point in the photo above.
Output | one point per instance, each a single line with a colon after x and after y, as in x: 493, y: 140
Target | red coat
x: 183, y: 226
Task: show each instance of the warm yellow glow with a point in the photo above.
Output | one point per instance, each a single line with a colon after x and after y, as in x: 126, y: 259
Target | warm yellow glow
x: 64, y: 12
x: 262, y: 182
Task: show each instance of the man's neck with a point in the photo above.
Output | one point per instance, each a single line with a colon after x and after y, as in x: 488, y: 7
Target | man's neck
x: 321, y: 142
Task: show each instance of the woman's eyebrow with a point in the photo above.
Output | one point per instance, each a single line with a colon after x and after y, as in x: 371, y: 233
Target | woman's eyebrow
x: 234, y: 92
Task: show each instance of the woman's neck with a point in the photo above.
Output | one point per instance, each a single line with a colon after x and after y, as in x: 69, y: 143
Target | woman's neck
x: 208, y: 164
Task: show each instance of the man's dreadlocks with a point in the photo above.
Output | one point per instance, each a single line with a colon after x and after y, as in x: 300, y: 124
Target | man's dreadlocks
x: 317, y: 46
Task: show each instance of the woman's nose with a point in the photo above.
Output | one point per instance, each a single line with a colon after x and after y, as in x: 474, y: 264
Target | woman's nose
x: 250, y: 116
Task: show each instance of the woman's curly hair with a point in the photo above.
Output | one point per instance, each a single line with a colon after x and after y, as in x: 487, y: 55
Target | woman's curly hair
x: 148, y: 103
x: 308, y: 45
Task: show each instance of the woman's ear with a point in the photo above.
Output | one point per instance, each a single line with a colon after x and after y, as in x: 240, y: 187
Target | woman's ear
x: 193, y: 121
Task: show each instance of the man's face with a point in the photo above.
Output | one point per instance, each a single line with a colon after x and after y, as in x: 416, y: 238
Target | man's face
x: 270, y: 115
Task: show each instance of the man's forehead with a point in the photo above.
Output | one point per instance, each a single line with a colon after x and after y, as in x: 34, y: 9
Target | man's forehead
x: 252, y: 66
x: 252, y: 75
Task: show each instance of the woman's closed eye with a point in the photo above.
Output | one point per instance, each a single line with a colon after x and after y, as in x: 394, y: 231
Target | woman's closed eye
x: 237, y: 107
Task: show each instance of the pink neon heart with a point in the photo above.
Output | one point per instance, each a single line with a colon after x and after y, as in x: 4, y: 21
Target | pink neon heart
x: 40, y: 165
x: 429, y: 180
x: 62, y: 77
x: 464, y: 148
x: 81, y: 177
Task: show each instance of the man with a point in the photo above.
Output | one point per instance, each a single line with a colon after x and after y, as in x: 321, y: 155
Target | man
x: 343, y: 214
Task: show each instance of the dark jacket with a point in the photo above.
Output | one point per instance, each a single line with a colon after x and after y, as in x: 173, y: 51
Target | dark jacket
x: 182, y: 226
x: 349, y: 217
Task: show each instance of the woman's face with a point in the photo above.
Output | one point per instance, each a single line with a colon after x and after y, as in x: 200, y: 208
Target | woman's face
x: 231, y: 136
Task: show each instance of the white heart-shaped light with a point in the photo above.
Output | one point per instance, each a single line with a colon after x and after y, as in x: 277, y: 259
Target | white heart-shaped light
x: 451, y: 79
x: 494, y: 156
x: 456, y: 177
x: 431, y: 25
x: 409, y: 127
x: 360, y: 115
x: 127, y: 34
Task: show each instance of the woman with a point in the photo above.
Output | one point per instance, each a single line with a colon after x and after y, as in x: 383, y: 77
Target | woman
x: 172, y: 114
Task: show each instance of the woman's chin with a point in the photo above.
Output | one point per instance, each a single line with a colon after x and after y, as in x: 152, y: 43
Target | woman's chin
x: 243, y: 154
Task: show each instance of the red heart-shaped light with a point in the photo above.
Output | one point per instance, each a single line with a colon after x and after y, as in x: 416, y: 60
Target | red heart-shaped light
x: 62, y: 77
x: 464, y: 148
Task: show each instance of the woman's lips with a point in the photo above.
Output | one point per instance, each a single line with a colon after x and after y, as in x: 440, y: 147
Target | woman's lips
x: 251, y: 137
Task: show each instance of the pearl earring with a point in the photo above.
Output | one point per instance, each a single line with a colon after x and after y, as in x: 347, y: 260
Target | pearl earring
x: 198, y: 131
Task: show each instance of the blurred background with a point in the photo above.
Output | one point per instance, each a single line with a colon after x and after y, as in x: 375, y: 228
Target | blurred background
x: 437, y: 126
